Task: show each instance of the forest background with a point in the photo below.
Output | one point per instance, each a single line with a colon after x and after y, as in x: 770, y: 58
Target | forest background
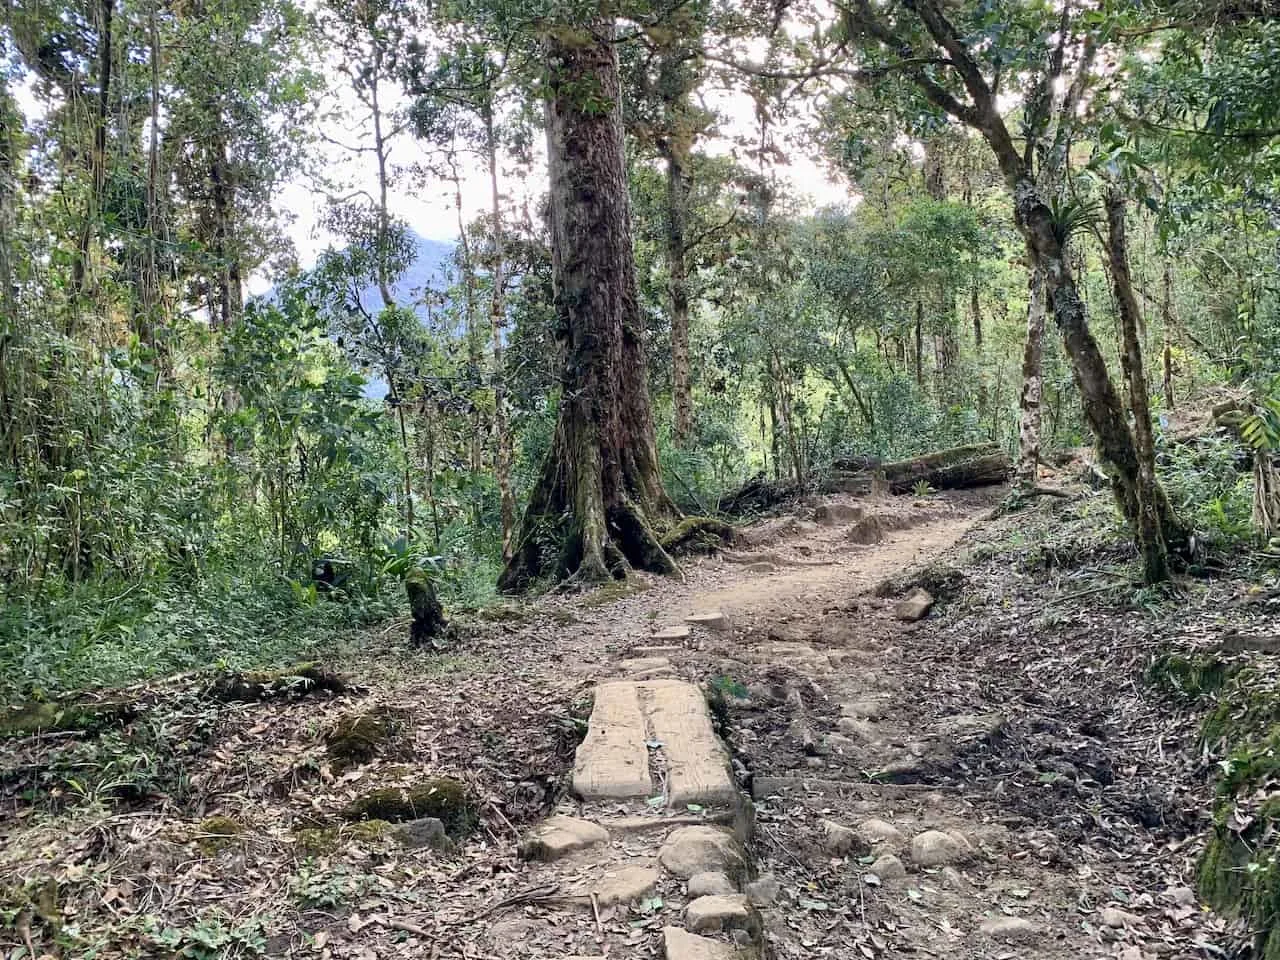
x: 190, y: 475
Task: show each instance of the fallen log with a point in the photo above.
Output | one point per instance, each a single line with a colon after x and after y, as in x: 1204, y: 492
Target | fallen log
x: 928, y: 461
x: 959, y: 468
x: 757, y: 495
x: 979, y: 472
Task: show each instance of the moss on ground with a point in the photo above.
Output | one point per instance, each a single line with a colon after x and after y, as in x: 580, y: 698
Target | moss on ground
x: 359, y: 737
x: 40, y: 717
x: 694, y: 535
x: 325, y: 840
x: 1190, y: 676
x: 442, y: 797
x: 1239, y: 871
x: 1249, y: 706
x: 217, y: 833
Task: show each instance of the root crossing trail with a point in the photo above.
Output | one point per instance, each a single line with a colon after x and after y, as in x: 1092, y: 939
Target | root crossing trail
x: 858, y: 838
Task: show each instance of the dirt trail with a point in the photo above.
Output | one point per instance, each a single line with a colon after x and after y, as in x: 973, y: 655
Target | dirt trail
x: 862, y: 741
x: 856, y: 849
x: 868, y: 835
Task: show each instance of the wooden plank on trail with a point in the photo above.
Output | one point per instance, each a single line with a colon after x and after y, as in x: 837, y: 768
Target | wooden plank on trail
x: 697, y: 763
x: 613, y: 762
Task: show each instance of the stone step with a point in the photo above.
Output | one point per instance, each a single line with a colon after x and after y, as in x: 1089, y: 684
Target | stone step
x: 678, y: 944
x: 559, y: 836
x: 714, y: 620
x: 678, y: 631
x: 697, y: 763
x: 613, y: 761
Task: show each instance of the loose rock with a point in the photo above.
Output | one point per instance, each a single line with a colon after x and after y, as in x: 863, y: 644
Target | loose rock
x: 716, y: 914
x: 424, y: 832
x: 915, y: 606
x: 559, y: 835
x: 710, y: 884
x: 839, y: 840
x: 888, y: 867
x: 693, y: 850
x: 933, y: 848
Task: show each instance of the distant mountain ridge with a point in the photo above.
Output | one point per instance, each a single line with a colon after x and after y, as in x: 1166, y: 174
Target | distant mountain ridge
x: 429, y: 270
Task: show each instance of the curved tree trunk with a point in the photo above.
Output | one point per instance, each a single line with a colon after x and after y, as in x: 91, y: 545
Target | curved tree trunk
x: 592, y: 513
x: 1155, y: 555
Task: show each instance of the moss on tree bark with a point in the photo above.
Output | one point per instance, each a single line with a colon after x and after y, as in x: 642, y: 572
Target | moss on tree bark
x: 599, y: 503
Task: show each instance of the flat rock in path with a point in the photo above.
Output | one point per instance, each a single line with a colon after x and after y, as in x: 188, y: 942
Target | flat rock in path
x: 613, y: 761
x: 675, y: 632
x: 560, y: 835
x: 1009, y: 928
x: 722, y: 914
x: 879, y: 831
x: 915, y: 606
x: 693, y: 850
x: 710, y: 884
x: 624, y: 884
x: 761, y: 566
x: 678, y: 944
x: 697, y: 762
x: 714, y: 620
x: 645, y: 665
x: 933, y: 848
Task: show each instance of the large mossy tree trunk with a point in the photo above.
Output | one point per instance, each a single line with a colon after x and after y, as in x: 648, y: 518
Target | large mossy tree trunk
x: 592, y: 514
